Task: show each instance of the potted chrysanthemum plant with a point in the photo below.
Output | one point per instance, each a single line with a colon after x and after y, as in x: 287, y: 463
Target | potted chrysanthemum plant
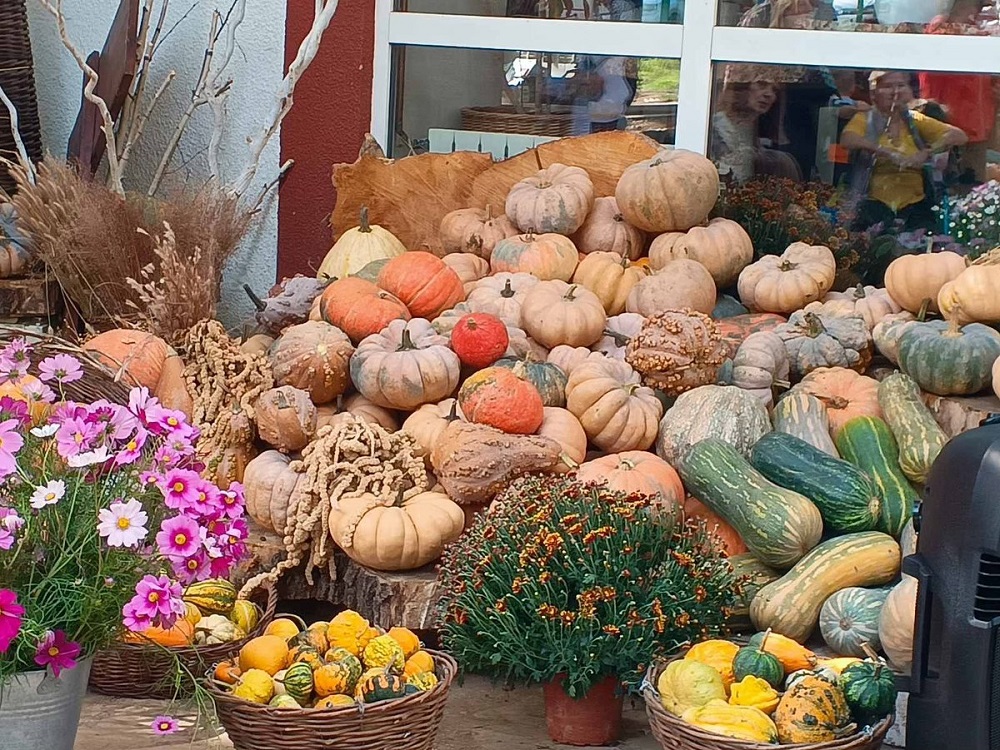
x: 103, y: 518
x: 579, y: 588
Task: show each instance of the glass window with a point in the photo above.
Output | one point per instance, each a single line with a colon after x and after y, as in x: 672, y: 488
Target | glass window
x: 900, y: 16
x: 873, y: 164
x: 630, y: 11
x: 503, y: 102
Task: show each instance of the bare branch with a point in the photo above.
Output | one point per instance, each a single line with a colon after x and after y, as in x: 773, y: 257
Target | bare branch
x: 324, y: 10
x: 140, y: 122
x: 22, y: 152
x: 177, y: 23
x: 129, y: 121
x: 111, y: 147
x: 127, y: 117
x: 282, y: 171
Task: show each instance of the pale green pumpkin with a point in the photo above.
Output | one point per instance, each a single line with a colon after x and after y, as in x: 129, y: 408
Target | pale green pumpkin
x: 947, y: 360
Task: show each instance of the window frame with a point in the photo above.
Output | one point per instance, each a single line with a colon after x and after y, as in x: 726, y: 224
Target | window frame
x: 699, y: 43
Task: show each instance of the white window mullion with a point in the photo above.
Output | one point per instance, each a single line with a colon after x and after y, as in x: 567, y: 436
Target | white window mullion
x: 694, y: 97
x: 381, y: 75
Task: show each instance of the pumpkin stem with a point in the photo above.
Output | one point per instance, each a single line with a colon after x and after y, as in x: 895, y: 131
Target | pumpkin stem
x: 570, y: 293
x: 364, y: 226
x: 398, y: 501
x: 786, y: 265
x: 859, y: 291
x: 257, y: 301
x: 953, y: 328
x: 529, y: 236
x: 566, y: 459
x: 619, y: 218
x: 508, y: 291
x: 453, y: 412
x: 538, y: 159
x: 489, y: 213
x: 406, y: 341
x: 782, y: 384
x: 626, y: 464
x: 763, y: 641
x: 869, y: 652
x: 620, y: 339
x: 814, y: 325
x: 922, y: 312
x: 930, y: 243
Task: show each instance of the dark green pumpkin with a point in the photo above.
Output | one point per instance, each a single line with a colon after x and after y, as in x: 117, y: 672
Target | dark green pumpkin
x: 548, y: 379
x: 383, y: 687
x: 870, y: 691
x: 752, y: 660
x: 947, y: 360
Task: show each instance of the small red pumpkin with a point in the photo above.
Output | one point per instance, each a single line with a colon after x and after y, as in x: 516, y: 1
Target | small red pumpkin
x: 359, y: 308
x: 479, y: 339
x: 424, y: 282
x: 497, y: 397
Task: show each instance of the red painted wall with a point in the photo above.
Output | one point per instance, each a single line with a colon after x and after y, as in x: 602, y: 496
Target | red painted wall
x: 327, y: 125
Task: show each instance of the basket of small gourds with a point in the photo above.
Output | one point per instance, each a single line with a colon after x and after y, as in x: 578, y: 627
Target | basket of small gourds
x: 342, y: 683
x: 215, y: 626
x: 727, y: 696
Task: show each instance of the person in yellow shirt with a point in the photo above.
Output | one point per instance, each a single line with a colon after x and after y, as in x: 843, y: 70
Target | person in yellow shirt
x: 893, y: 146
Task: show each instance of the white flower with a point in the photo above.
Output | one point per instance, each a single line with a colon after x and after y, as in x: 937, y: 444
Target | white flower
x: 48, y: 494
x: 45, y: 430
x: 124, y: 524
x: 89, y: 458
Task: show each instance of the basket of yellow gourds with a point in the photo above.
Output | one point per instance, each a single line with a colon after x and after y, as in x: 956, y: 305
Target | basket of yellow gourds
x: 721, y: 695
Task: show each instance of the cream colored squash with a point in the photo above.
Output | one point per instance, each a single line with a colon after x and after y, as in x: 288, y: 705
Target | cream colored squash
x: 554, y: 312
x: 913, y: 279
x: 722, y: 246
x: 358, y: 247
x: 788, y: 282
x: 605, y: 230
x: 679, y: 284
x: 611, y: 277
x: 869, y: 303
x: 616, y: 411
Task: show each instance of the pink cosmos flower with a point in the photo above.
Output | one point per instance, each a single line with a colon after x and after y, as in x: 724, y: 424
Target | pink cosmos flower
x: 10, y: 524
x: 167, y: 458
x: 195, y: 568
x: 63, y: 368
x: 132, y: 450
x: 10, y: 618
x: 123, y: 524
x: 133, y: 618
x: 75, y: 436
x: 179, y: 537
x: 233, y: 500
x: 139, y: 401
x: 180, y: 488
x: 49, y: 493
x: 163, y: 725
x: 56, y: 652
x: 38, y: 392
x: 14, y: 409
x: 18, y: 351
x: 115, y: 423
x: 11, y: 442
x: 207, y: 502
x: 12, y: 371
x: 157, y: 601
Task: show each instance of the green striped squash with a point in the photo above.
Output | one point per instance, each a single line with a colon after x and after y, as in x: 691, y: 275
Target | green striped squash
x: 867, y: 442
x: 755, y: 575
x: 804, y: 416
x: 918, y: 435
x: 299, y: 682
x: 849, y: 620
x: 847, y: 499
x: 778, y: 525
x: 791, y: 605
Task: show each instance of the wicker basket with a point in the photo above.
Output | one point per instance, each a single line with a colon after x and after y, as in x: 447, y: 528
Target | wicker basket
x: 136, y: 671
x: 559, y: 122
x: 674, y: 734
x: 17, y: 76
x: 409, y: 723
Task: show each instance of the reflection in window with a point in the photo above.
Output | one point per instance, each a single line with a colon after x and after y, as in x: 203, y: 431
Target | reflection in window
x: 631, y: 11
x: 964, y: 17
x: 503, y: 102
x: 873, y: 164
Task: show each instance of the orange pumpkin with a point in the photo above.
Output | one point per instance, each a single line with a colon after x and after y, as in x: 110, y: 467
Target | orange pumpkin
x: 423, y: 282
x: 227, y: 672
x: 497, y: 397
x: 845, y: 393
x: 139, y: 356
x: 181, y: 634
x: 359, y: 308
x: 312, y: 356
x: 547, y: 256
x: 732, y: 542
x: 636, y: 472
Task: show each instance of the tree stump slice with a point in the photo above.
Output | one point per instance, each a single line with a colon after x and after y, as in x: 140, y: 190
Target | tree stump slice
x: 958, y: 414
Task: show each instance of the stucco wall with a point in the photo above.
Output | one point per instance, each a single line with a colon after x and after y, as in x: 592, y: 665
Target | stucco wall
x: 256, y: 69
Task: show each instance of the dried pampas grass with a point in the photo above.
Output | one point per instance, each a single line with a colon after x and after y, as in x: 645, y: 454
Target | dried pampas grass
x: 128, y: 259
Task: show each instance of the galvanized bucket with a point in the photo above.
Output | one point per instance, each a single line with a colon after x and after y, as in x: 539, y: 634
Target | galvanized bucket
x: 38, y: 710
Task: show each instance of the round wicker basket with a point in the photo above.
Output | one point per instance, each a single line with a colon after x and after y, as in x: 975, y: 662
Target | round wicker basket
x: 132, y: 670
x: 674, y: 734
x: 409, y: 723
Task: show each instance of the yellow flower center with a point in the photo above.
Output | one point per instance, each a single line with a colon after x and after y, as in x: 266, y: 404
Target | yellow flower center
x: 202, y: 497
x: 178, y: 486
x: 78, y: 437
x: 124, y: 523
x: 132, y: 445
x: 154, y: 597
x: 180, y: 540
x: 192, y: 564
x: 53, y: 652
x: 50, y: 496
x: 172, y: 421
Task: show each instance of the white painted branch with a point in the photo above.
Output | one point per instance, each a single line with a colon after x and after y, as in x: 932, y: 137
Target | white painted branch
x: 147, y: 44
x: 22, y: 152
x: 142, y: 119
x: 111, y: 147
x: 324, y: 10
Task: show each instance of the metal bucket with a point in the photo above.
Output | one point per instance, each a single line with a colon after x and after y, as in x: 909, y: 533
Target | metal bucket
x: 41, y: 711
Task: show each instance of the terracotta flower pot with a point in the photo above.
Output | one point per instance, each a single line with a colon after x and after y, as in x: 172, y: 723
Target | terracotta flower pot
x: 594, y: 719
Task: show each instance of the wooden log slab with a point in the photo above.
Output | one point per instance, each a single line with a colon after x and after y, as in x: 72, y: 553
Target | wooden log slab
x: 958, y: 414
x: 406, y: 599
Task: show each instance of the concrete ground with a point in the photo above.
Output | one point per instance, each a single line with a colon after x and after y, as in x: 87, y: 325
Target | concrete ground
x: 478, y: 716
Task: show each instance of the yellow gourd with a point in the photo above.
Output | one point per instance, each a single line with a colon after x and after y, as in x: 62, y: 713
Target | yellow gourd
x: 245, y: 614
x: 837, y: 665
x: 686, y: 684
x: 358, y: 247
x: 283, y: 628
x: 351, y: 631
x: 256, y: 686
x: 717, y: 654
x: 754, y: 692
x: 335, y: 701
x: 418, y: 663
x: 267, y: 652
x: 739, y: 722
x: 406, y: 639
x: 384, y: 652
x: 423, y: 681
x: 192, y: 614
x: 813, y: 710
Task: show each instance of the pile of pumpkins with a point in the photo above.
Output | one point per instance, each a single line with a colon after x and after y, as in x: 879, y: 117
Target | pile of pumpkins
x: 342, y: 663
x: 774, y: 690
x: 213, y: 615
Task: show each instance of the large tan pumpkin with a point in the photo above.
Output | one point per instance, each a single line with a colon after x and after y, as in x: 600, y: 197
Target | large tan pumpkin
x: 561, y: 426
x: 866, y: 302
x: 606, y: 231
x: 672, y: 192
x: 896, y: 622
x: 470, y: 269
x: 358, y: 247
x: 611, y: 277
x: 547, y: 256
x: 971, y: 297
x: 636, y: 472
x: 404, y: 366
x: 428, y: 423
x: 474, y: 230
x: 722, y: 246
x: 680, y: 283
x: 912, y: 280
x: 557, y: 199
x: 567, y: 358
x: 554, y: 312
x: 270, y: 488
x: 286, y: 418
x: 395, y: 534
x: 138, y: 357
x: 788, y: 282
x: 616, y: 411
x: 312, y: 356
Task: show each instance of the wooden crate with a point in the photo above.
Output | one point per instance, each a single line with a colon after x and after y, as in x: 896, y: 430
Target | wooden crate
x: 30, y: 299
